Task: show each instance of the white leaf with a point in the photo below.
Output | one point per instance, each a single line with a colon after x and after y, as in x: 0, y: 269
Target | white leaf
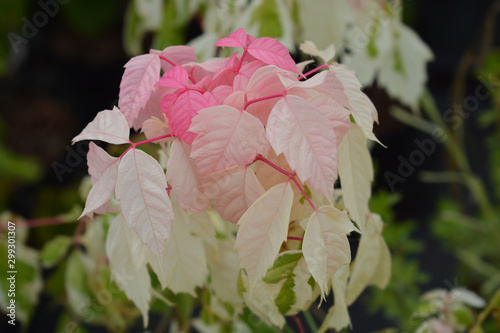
x: 325, y: 245
x: 372, y: 265
x: 260, y: 300
x: 362, y: 109
x: 224, y: 265
x: 356, y: 174
x: 338, y: 15
x: 338, y: 315
x: 103, y: 170
x: 141, y: 189
x: 129, y: 272
x: 310, y: 48
x: 184, y: 262
x: 109, y: 126
x: 262, y: 230
x: 405, y: 76
x: 302, y: 288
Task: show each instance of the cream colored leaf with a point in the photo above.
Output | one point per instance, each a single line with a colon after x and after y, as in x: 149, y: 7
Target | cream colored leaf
x: 154, y: 127
x: 356, y: 174
x: 262, y: 230
x: 338, y: 315
x: 325, y: 245
x: 224, y: 265
x: 372, y: 265
x: 184, y: 262
x: 260, y: 300
x: 362, y: 109
x: 310, y: 48
x: 127, y: 268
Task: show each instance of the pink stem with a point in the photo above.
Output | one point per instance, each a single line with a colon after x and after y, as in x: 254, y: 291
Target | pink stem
x: 316, y: 69
x: 250, y: 102
x: 78, y: 233
x: 274, y: 166
x: 296, y: 238
x: 299, y: 324
x: 291, y: 176
x: 135, y: 144
x: 41, y: 222
x: 170, y: 62
x: 151, y: 140
x: 304, y: 194
x: 242, y: 58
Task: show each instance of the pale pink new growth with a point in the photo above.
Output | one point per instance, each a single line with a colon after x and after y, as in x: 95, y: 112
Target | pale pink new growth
x: 138, y: 82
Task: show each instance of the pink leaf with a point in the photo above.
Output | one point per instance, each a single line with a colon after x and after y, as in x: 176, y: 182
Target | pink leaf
x: 239, y: 189
x: 272, y: 52
x: 152, y: 109
x: 337, y: 115
x: 141, y: 189
x: 301, y: 132
x: 138, y: 82
x: 186, y: 182
x: 226, y: 137
x: 264, y: 82
x: 177, y: 55
x: 246, y: 71
x: 185, y: 107
x: 235, y: 39
x: 221, y: 93
x: 177, y: 78
x: 325, y: 83
x: 109, y: 126
x: 103, y: 170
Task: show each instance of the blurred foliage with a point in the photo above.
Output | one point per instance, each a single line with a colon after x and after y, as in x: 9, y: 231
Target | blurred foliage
x: 406, y: 273
x: 10, y: 13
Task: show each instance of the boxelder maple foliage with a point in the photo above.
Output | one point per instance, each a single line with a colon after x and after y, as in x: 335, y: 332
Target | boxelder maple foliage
x: 250, y: 140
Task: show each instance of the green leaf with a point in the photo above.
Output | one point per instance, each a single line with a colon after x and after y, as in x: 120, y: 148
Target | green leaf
x: 133, y: 31
x: 286, y: 297
x: 283, y: 267
x: 172, y: 31
x: 241, y: 285
x: 463, y: 316
x: 269, y: 17
x: 55, y: 250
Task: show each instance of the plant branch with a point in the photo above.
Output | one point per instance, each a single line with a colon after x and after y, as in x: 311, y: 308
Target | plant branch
x: 474, y: 184
x: 299, y: 324
x: 291, y: 176
x: 250, y: 102
x: 315, y: 70
x: 165, y: 59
